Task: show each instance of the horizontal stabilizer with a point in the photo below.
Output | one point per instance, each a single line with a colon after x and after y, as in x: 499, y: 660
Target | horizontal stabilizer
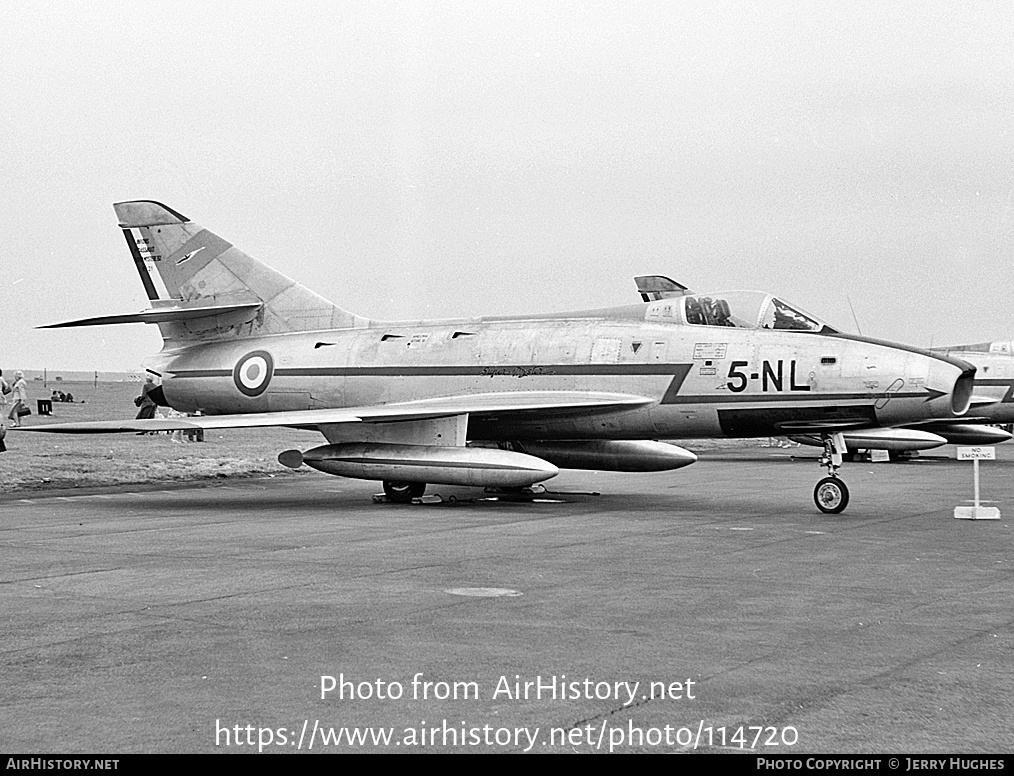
x: 164, y: 315
x: 501, y: 404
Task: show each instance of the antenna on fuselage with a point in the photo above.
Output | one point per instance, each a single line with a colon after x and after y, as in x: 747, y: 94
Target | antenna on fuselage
x: 854, y: 317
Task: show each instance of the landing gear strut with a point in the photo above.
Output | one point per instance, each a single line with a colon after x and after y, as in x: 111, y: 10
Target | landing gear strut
x: 831, y: 495
x: 403, y: 492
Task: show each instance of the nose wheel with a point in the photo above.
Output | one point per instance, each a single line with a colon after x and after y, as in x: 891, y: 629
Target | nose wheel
x: 831, y: 494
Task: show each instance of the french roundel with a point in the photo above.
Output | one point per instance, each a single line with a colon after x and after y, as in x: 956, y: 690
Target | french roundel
x: 253, y: 372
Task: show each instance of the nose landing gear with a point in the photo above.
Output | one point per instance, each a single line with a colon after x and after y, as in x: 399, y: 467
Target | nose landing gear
x: 831, y: 495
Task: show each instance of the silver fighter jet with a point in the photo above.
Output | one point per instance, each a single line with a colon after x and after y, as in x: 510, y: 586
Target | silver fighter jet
x: 503, y: 401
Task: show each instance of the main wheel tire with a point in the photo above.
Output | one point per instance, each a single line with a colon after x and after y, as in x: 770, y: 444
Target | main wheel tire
x: 403, y: 492
x: 831, y: 495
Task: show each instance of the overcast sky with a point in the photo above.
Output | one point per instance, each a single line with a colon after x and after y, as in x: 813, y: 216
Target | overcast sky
x: 421, y: 159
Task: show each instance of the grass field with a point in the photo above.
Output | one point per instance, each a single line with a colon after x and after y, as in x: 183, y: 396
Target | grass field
x: 45, y: 461
x: 42, y: 461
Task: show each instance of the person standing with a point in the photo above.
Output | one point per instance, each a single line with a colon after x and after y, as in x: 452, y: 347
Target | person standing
x: 5, y: 389
x: 144, y: 401
x: 19, y: 397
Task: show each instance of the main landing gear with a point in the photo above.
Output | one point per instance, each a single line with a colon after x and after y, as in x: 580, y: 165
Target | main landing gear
x: 831, y: 495
x: 403, y: 492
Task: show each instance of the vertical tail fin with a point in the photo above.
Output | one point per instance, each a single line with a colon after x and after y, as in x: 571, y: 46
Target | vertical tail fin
x: 183, y: 264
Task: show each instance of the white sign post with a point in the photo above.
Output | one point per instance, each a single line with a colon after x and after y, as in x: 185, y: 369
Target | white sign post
x: 976, y: 512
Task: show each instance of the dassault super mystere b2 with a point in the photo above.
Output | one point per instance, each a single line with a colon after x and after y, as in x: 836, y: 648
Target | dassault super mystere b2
x: 502, y: 401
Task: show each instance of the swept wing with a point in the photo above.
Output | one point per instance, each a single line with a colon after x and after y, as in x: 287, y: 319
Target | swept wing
x: 531, y: 404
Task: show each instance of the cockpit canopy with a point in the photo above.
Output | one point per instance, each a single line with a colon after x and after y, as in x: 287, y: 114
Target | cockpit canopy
x: 740, y: 309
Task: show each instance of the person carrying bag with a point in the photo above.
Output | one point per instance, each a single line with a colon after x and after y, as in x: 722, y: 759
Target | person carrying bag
x: 20, y: 395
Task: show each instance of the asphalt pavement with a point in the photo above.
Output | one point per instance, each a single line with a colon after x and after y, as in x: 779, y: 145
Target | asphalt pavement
x: 710, y: 609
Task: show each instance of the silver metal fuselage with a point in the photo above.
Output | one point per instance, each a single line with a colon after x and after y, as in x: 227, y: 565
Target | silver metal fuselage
x: 706, y: 381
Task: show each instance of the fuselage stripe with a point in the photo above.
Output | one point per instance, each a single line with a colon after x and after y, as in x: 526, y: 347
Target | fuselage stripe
x: 678, y: 372
x: 514, y: 370
x: 796, y: 398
